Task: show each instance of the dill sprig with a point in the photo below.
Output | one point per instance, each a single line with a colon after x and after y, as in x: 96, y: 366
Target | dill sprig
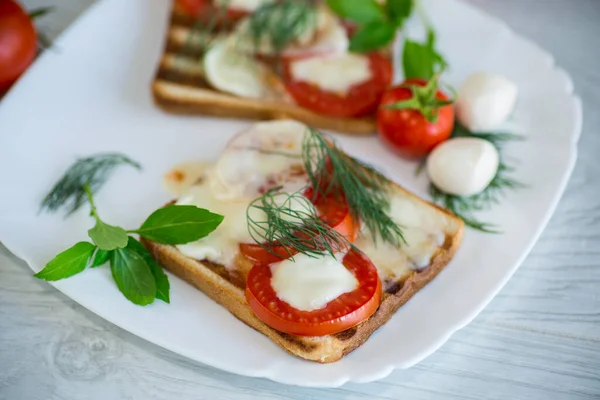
x: 291, y: 222
x: 293, y: 227
x: 365, y: 190
x: 280, y: 23
x: 464, y: 207
x: 94, y: 171
x: 498, y: 139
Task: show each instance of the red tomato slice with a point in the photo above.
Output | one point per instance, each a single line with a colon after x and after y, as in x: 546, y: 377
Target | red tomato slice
x: 338, y: 315
x: 331, y: 211
x: 361, y: 100
x: 205, y: 9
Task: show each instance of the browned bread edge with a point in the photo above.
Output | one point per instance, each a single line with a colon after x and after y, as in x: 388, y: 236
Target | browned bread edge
x: 212, y: 280
x: 182, y: 99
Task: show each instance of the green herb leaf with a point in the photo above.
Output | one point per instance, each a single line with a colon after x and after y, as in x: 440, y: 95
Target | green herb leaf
x: 68, y: 263
x: 418, y: 60
x: 160, y: 278
x: 372, y: 36
x: 100, y: 258
x: 179, y: 224
x: 360, y: 11
x: 40, y: 12
x: 365, y: 190
x: 422, y: 60
x: 399, y: 10
x: 285, y: 230
x: 108, y: 237
x: 280, y: 23
x: 133, y: 276
x: 69, y: 191
x: 465, y: 207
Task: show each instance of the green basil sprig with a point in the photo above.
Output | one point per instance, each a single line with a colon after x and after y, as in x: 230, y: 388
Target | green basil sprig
x: 376, y: 23
x: 422, y: 60
x: 137, y: 275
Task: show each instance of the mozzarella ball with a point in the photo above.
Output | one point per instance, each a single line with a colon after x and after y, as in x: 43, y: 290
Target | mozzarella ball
x: 463, y: 166
x: 485, y: 101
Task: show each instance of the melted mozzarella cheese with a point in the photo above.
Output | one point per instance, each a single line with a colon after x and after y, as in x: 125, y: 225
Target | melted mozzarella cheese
x: 242, y: 5
x: 334, y: 74
x: 268, y: 151
x: 267, y: 154
x: 391, y: 262
x: 183, y: 176
x: 423, y: 231
x: 221, y: 246
x: 309, y: 283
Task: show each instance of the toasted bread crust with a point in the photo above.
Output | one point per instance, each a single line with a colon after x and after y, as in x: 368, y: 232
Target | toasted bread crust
x: 180, y: 90
x: 179, y: 98
x: 228, y: 291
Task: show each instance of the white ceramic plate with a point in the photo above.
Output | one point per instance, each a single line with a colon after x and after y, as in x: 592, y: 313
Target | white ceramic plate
x: 92, y: 95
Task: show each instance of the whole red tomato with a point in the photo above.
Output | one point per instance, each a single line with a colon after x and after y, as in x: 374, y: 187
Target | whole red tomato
x: 18, y: 42
x: 415, y: 117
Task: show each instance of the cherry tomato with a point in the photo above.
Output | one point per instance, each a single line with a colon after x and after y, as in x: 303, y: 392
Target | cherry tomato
x: 361, y: 100
x: 331, y: 210
x: 205, y: 9
x: 407, y: 131
x: 340, y: 314
x: 18, y: 42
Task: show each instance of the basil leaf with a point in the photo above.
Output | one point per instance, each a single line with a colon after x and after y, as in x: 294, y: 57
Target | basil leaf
x: 68, y: 263
x: 399, y: 10
x: 108, y: 237
x: 179, y: 224
x: 372, y: 36
x: 360, y: 11
x: 99, y: 258
x: 160, y: 278
x: 133, y: 276
x: 418, y: 60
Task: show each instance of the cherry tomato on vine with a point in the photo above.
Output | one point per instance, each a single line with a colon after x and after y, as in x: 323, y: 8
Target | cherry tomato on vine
x: 18, y: 42
x: 415, y: 117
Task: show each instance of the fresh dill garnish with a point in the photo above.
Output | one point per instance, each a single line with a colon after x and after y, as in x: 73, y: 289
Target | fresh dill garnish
x: 280, y: 23
x: 69, y: 191
x: 364, y: 189
x: 498, y: 139
x: 296, y: 228
x: 464, y: 207
x: 291, y: 222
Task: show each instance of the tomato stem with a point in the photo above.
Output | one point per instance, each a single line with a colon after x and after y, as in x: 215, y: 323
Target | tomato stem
x: 424, y: 100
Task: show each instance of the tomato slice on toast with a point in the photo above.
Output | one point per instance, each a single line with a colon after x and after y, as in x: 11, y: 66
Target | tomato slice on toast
x: 340, y: 314
x: 362, y: 99
x: 331, y: 210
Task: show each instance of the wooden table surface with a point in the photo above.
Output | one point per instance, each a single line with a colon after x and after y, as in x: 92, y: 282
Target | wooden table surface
x: 538, y: 339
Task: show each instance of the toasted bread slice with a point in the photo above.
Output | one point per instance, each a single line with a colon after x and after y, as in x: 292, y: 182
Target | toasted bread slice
x: 179, y: 87
x: 227, y: 286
